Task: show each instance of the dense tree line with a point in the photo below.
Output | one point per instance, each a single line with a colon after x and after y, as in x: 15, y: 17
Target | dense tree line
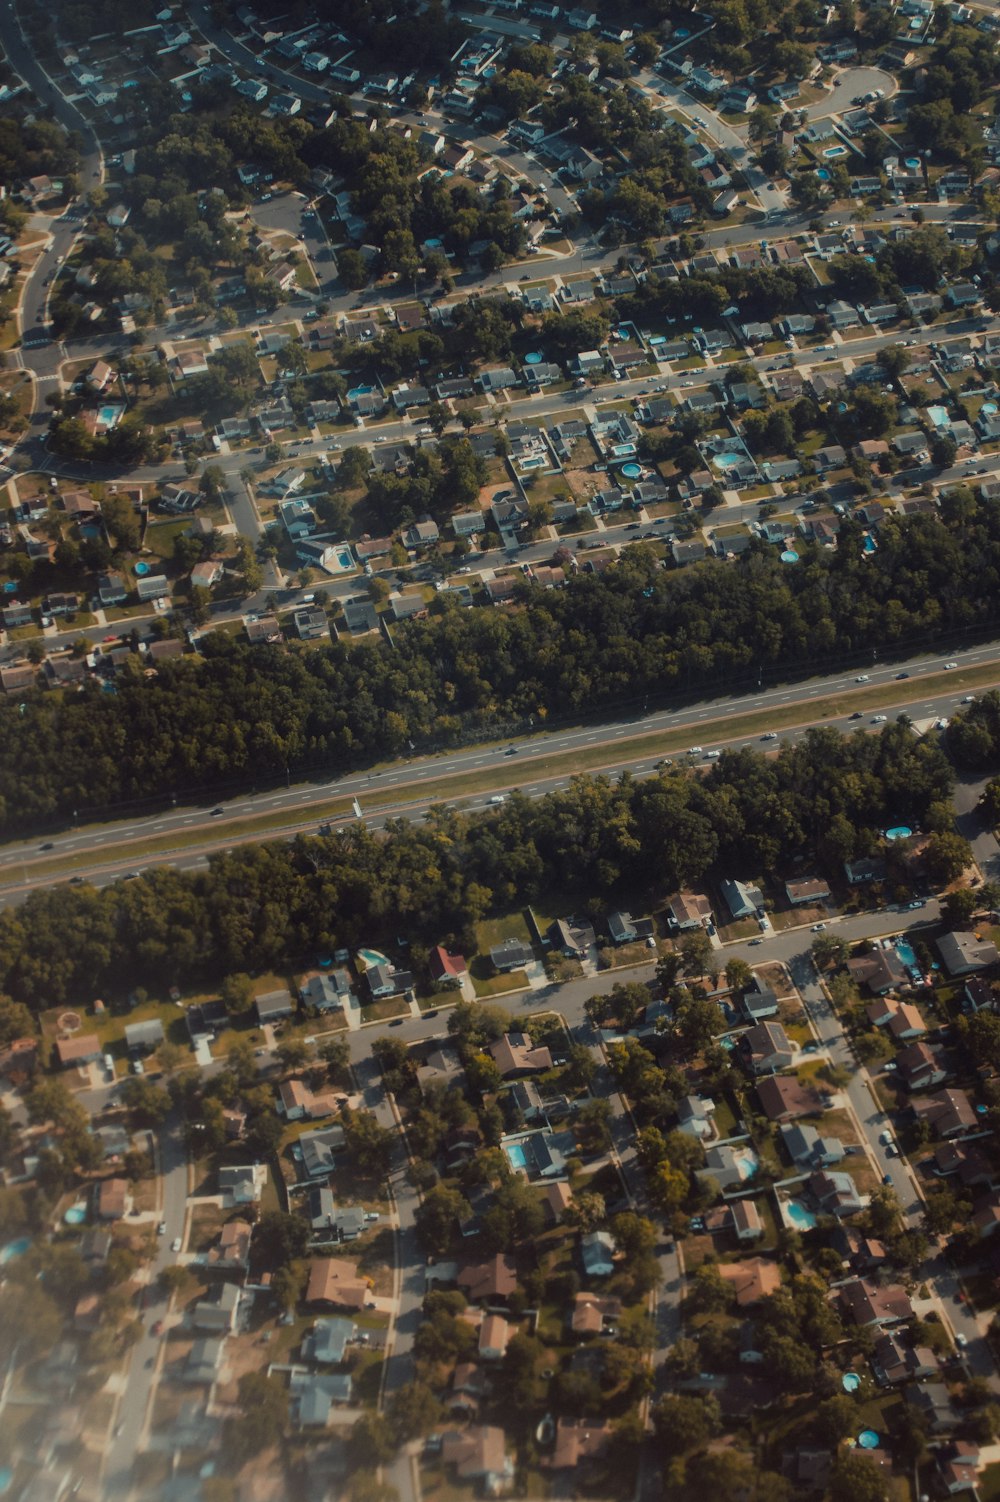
x: 260, y: 904
x: 243, y: 713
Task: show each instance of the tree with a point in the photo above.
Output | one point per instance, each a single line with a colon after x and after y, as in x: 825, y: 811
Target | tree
x: 368, y: 1144
x: 236, y: 993
x: 413, y: 1410
x: 856, y: 1479
x: 264, y: 1401
x: 696, y: 952
x: 149, y: 1103
x: 438, y: 1216
x: 738, y: 974
x: 685, y: 1423
x: 946, y: 856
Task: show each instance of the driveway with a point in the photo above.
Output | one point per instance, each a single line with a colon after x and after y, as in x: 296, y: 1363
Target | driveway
x: 852, y: 84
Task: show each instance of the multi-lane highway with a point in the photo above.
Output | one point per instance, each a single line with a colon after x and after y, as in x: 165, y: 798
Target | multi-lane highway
x: 107, y: 852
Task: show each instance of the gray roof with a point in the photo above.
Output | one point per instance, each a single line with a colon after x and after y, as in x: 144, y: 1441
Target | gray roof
x: 144, y: 1034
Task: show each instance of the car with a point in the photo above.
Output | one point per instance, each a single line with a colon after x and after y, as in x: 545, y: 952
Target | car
x: 961, y: 1340
x: 215, y: 813
x: 694, y: 750
x: 879, y: 719
x: 396, y: 1022
x: 497, y: 798
x: 949, y: 665
x: 156, y: 1328
x: 892, y: 1151
x: 75, y: 881
x: 634, y: 527
x: 381, y: 439
x: 47, y: 846
x: 175, y: 1245
x: 857, y: 715
x: 890, y: 1066
x: 969, y: 699
x: 712, y: 755
x: 885, y: 1137
x: 960, y: 1297
x: 887, y: 1178
x: 138, y: 1067
x: 131, y: 876
x: 917, y: 902
x: 161, y: 1229
x: 862, y: 678
x: 511, y: 751
x: 769, y: 735
x: 818, y: 928
x: 755, y: 942
x: 901, y: 675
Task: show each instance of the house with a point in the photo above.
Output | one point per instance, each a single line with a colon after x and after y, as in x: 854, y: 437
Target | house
x: 273, y: 1006
x: 919, y: 1066
x: 894, y: 1360
x: 696, y: 1117
x: 807, y: 1149
x: 112, y: 589
x: 142, y: 1037
x: 831, y: 457
x: 726, y: 1165
x: 328, y: 1340
x: 112, y: 1199
x: 443, y: 1067
x: 217, y: 1311
x: 906, y: 1022
x: 745, y: 1220
x: 204, y: 1360
x: 494, y: 1333
x: 84, y: 1048
x: 241, y: 1184
x: 232, y: 1250
x: 624, y: 929
x: 868, y: 1303
x: 933, y: 1406
x: 742, y: 898
x: 574, y: 936
x: 974, y: 1168
x: 597, y: 1253
x: 19, y: 1060
x: 510, y: 955
x: 864, y: 1253
x: 386, y: 980
x: 515, y: 1055
x: 758, y: 1001
x: 319, y: 1150
x: 755, y: 1279
x: 986, y: 1217
x: 298, y: 1102
x: 964, y: 953
x: 479, y: 1454
x: 486, y: 1282
x: 336, y: 1283
x: 867, y: 869
x: 689, y: 910
x: 577, y: 1442
x: 765, y: 1048
x: 785, y: 1098
x: 834, y: 1193
x: 525, y: 1096
x: 880, y: 971
x: 958, y: 1464
x: 807, y: 889
x: 313, y: 1395
x: 948, y: 1113
x: 593, y: 1314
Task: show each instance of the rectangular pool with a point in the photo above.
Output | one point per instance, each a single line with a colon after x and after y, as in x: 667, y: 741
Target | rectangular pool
x: 516, y: 1155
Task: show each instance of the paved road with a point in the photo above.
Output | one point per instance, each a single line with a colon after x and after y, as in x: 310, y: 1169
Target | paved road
x: 409, y: 788
x: 851, y: 84
x: 142, y: 1369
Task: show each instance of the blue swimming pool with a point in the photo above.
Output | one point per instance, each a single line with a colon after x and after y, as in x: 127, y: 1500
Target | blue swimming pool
x: 907, y: 958
x: 798, y: 1216
x: 516, y: 1155
x: 833, y: 151
x: 869, y: 544
x: 76, y: 1215
x: 14, y: 1249
x: 822, y: 174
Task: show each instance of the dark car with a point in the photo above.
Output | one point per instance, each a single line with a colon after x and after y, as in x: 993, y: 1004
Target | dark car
x: 857, y: 715
x: 47, y: 846
x: 901, y: 675
x: 396, y: 1022
x: 215, y: 813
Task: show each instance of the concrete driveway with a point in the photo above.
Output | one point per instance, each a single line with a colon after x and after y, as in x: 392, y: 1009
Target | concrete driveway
x: 852, y: 84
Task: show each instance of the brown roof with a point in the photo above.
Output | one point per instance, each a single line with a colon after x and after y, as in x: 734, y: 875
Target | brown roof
x: 494, y: 1279
x: 19, y: 1057
x: 752, y: 1280
x: 81, y: 1046
x: 112, y: 1199
x: 690, y: 907
x: 782, y: 1095
x: 514, y: 1053
x: 578, y: 1440
x: 590, y: 1311
x: 476, y: 1451
x: 332, y: 1280
x: 870, y: 1303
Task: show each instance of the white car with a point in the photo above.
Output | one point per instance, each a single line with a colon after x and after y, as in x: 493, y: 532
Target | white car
x: 694, y: 751
x: 769, y: 735
x: 497, y: 798
x: 175, y: 1245
x: 949, y: 665
x: 879, y: 719
x: 862, y: 678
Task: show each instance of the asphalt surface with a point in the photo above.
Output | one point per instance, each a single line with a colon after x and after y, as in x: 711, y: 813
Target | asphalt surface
x: 409, y: 788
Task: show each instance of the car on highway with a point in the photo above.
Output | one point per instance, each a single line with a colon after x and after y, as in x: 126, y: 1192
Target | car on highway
x: 769, y: 735
x: 879, y: 719
x: 694, y: 750
x: 47, y: 846
x: 215, y: 813
x: 863, y: 678
x: 949, y: 665
x: 857, y: 715
x: 497, y: 798
x: 969, y: 699
x: 901, y: 675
